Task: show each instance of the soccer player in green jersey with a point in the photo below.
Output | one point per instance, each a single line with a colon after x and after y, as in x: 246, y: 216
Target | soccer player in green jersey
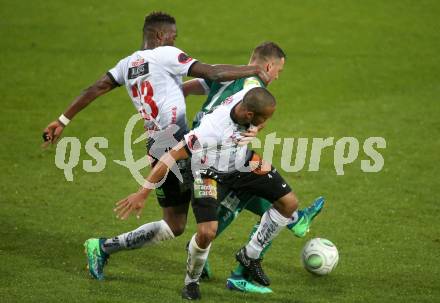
x: 271, y: 58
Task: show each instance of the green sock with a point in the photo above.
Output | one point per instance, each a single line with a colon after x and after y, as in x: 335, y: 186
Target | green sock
x: 238, y: 271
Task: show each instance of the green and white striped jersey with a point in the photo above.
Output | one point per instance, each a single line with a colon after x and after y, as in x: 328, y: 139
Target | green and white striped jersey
x: 218, y: 91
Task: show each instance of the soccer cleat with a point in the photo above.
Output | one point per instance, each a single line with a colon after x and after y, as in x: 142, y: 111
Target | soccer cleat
x: 238, y: 283
x: 96, y: 257
x: 253, y: 266
x: 302, y: 227
x: 206, y: 272
x: 191, y: 291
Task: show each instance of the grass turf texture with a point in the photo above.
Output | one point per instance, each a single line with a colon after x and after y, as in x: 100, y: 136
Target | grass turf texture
x: 354, y: 68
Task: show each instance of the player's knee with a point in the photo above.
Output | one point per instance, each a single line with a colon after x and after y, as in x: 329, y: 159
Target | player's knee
x: 177, y: 226
x: 293, y: 203
x: 178, y: 229
x: 176, y: 218
x: 205, y: 235
x: 204, y: 239
x: 208, y: 234
x: 287, y: 205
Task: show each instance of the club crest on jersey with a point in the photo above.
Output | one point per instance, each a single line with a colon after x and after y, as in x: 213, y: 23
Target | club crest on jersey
x: 193, y: 142
x: 184, y: 58
x: 136, y: 71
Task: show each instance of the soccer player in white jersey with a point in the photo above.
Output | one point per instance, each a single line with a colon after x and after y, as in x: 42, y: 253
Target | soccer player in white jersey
x: 221, y: 164
x: 271, y: 58
x: 153, y: 78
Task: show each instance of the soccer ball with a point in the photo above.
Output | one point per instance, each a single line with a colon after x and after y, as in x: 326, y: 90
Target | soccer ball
x: 319, y: 256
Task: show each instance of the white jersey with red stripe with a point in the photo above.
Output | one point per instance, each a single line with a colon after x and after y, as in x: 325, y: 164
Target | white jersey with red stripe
x: 215, y: 141
x: 153, y: 79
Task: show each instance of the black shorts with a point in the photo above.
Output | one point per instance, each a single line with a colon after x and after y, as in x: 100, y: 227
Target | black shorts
x: 173, y: 192
x: 212, y: 187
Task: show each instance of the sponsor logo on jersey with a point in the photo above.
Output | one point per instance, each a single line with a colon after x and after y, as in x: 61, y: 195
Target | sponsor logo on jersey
x: 231, y: 202
x: 205, y: 188
x: 228, y: 100
x: 174, y: 115
x: 184, y: 58
x: 137, y: 62
x: 251, y: 82
x: 137, y: 71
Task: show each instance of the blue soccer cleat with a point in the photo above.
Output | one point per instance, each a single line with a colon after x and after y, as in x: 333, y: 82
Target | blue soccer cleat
x: 96, y: 258
x: 239, y: 283
x: 302, y: 226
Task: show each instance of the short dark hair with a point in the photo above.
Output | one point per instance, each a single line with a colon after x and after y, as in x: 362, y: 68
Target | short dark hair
x: 257, y: 99
x: 267, y: 50
x: 156, y: 19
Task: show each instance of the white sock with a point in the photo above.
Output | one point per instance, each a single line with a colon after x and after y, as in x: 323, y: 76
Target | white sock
x: 196, y: 260
x: 147, y: 234
x: 271, y: 224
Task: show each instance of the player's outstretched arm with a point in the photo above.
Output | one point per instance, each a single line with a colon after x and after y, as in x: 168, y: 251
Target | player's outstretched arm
x: 53, y: 131
x: 136, y: 201
x: 225, y: 72
x: 193, y: 87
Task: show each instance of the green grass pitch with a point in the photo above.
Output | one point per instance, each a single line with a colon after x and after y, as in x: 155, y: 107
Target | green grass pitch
x: 354, y: 68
